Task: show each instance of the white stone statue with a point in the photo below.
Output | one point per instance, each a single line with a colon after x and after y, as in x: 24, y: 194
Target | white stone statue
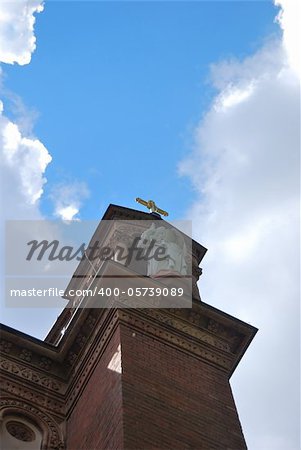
x: 175, y: 250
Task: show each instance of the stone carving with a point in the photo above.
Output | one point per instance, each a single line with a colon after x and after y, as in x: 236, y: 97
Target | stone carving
x: 90, y: 321
x: 26, y: 355
x: 27, y: 394
x: 20, y: 431
x: 231, y: 336
x: 190, y: 315
x: 52, y: 439
x: 35, y: 359
x: 187, y: 328
x: 45, y: 363
x: 5, y: 346
x: 71, y: 358
x: 81, y: 339
x: 175, y: 250
x: 223, y: 331
x: 30, y: 375
x: 123, y: 235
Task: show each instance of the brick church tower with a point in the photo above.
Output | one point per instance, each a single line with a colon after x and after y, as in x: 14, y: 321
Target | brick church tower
x: 124, y: 378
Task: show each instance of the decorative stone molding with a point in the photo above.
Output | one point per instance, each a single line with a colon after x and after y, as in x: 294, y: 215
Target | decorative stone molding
x: 215, y: 355
x: 45, y: 363
x: 122, y: 235
x: 83, y: 337
x: 90, y: 321
x: 31, y: 375
x: 71, y: 357
x: 230, y: 337
x: 34, y: 359
x: 25, y: 354
x: 233, y: 337
x: 5, y: 346
x: 95, y: 354
x: 52, y: 435
x: 190, y: 330
x: 10, y: 387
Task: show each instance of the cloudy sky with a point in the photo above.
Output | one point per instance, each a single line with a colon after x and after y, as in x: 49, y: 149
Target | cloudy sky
x: 194, y: 104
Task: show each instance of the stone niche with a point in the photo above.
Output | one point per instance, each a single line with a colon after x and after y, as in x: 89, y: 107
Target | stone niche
x: 17, y: 433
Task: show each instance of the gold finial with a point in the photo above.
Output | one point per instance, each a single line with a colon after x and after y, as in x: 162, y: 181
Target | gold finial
x: 151, y: 205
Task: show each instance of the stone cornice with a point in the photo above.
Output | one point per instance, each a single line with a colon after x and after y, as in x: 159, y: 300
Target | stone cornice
x: 30, y: 391
x: 202, y: 331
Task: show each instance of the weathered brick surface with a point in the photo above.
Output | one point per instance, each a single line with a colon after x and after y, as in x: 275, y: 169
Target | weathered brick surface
x: 172, y: 400
x: 165, y: 399
x: 96, y: 421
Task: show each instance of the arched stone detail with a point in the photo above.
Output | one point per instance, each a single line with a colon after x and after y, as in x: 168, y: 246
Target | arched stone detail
x: 52, y: 434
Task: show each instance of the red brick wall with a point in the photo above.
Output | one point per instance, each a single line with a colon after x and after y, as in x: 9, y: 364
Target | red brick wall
x: 166, y: 399
x: 96, y: 421
x: 172, y: 400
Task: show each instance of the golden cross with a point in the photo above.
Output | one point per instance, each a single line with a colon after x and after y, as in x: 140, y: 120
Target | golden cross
x: 151, y: 205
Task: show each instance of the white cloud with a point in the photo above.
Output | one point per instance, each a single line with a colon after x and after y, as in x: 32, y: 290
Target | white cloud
x: 67, y: 212
x: 23, y: 164
x: 67, y: 199
x: 23, y: 157
x: 245, y: 169
x: 289, y: 19
x: 17, y: 39
x: 233, y: 96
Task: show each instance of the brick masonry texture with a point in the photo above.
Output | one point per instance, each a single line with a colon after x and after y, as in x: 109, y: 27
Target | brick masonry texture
x: 96, y: 421
x: 172, y: 400
x: 164, y: 399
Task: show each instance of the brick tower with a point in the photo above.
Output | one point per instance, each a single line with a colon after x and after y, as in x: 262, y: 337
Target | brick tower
x: 125, y: 378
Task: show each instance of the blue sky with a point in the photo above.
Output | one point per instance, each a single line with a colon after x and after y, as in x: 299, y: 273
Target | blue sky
x: 119, y: 88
